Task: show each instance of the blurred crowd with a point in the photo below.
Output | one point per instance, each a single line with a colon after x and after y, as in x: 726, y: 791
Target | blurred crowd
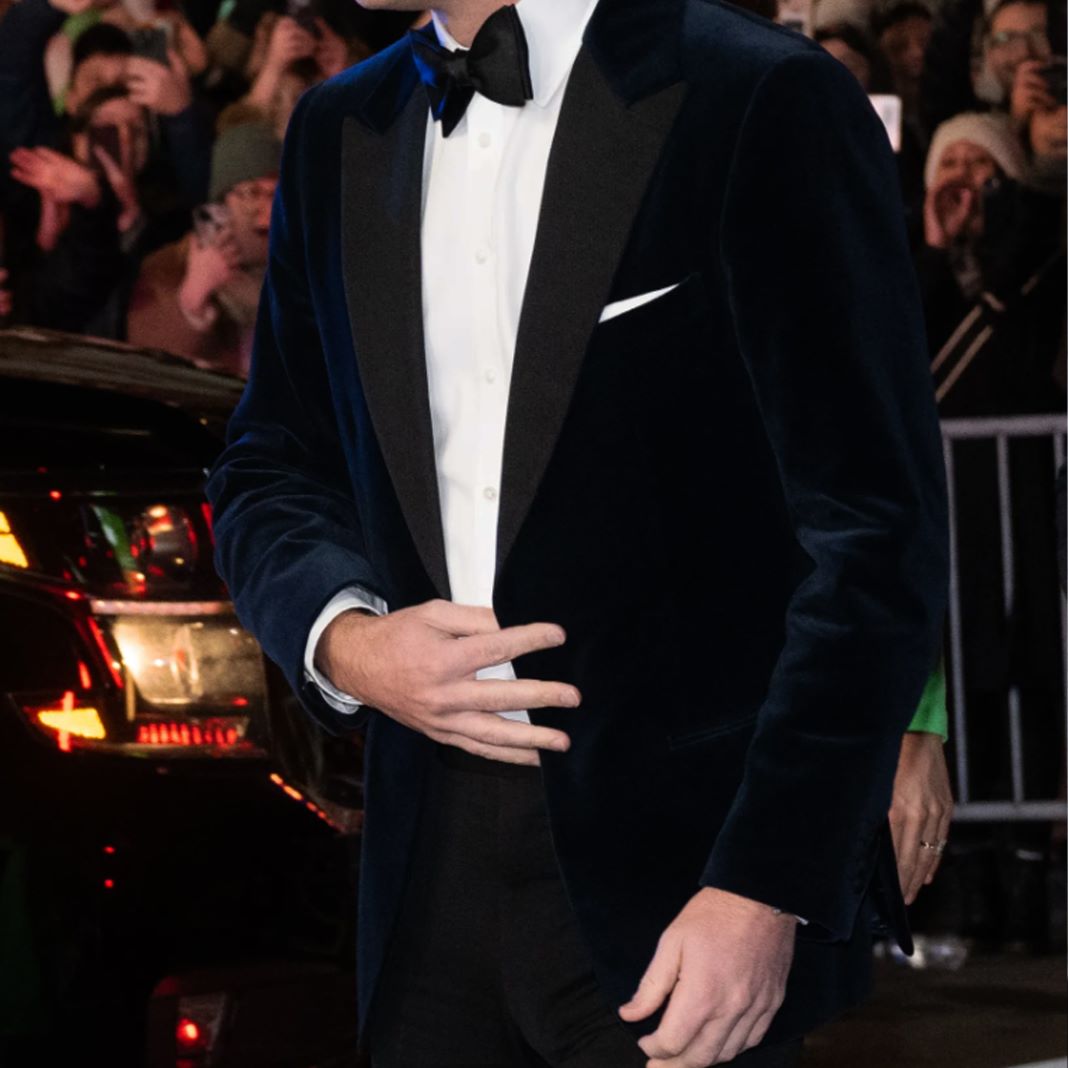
x: 139, y: 144
x: 139, y: 150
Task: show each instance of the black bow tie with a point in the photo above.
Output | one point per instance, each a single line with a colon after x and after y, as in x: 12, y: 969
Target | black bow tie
x: 496, y: 65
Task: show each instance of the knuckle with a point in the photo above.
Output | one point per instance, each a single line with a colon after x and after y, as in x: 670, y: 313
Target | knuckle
x: 435, y: 704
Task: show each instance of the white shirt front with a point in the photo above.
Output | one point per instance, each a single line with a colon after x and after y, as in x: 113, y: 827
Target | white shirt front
x: 482, y: 189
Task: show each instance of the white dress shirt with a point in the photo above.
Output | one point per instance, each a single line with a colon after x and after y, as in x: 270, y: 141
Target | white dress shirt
x: 482, y: 188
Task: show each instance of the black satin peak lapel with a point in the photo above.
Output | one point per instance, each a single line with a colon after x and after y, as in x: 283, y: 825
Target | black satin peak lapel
x: 600, y: 164
x: 382, y: 187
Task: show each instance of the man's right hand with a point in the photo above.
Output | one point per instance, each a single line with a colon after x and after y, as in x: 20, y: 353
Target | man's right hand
x: 418, y: 666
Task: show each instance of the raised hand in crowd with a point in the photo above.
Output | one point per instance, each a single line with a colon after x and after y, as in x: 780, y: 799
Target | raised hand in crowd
x: 289, y: 42
x: 282, y: 42
x: 331, y: 51
x: 61, y: 183
x: 921, y: 811
x: 122, y: 178
x: 55, y: 175
x: 164, y: 89
x: 209, y: 266
x: 952, y: 209
x: 188, y: 44
x: 1030, y: 91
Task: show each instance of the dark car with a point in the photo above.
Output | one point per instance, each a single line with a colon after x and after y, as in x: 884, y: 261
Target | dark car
x: 178, y: 844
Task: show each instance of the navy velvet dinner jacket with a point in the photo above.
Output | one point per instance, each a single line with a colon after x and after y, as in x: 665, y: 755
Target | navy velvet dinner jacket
x: 731, y: 497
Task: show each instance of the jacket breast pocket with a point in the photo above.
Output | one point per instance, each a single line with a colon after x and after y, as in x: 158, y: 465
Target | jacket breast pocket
x: 659, y: 306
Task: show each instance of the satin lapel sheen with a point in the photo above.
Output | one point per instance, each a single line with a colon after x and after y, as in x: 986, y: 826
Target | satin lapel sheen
x: 600, y: 164
x: 382, y: 186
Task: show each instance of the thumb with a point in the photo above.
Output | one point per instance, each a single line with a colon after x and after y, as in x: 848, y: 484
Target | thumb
x: 657, y: 982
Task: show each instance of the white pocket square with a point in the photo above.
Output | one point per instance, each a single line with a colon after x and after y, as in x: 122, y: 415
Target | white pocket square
x: 618, y: 307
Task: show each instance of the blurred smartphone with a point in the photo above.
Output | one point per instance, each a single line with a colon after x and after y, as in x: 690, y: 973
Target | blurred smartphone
x: 151, y: 42
x: 1054, y: 73
x: 210, y: 223
x: 888, y: 108
x: 105, y: 137
x: 300, y: 11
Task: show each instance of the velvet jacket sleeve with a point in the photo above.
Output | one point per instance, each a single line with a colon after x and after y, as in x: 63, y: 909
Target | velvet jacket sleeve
x: 287, y: 531
x: 828, y: 320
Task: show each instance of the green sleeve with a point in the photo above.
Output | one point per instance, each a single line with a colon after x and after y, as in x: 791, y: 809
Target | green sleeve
x: 931, y: 716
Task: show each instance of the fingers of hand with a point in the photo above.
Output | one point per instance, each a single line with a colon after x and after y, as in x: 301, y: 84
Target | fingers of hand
x: 508, y: 695
x: 689, y: 1022
x: 656, y: 983
x: 747, y: 1034
x: 487, y: 650
x: 697, y: 1054
x: 938, y: 834
x: 917, y: 863
x: 504, y: 753
x: 906, y: 822
x: 482, y: 729
x: 458, y: 619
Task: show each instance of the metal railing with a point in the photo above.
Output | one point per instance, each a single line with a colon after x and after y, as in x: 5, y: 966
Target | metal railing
x: 1000, y: 430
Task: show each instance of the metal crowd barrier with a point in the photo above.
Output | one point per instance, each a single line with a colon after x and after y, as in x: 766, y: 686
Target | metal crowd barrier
x: 1001, y: 430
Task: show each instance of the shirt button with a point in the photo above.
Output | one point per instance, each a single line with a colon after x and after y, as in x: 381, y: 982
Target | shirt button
x: 489, y: 493
x: 490, y: 375
x: 485, y: 140
x: 481, y: 255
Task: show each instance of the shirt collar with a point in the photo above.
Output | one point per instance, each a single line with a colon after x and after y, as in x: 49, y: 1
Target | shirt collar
x: 553, y: 30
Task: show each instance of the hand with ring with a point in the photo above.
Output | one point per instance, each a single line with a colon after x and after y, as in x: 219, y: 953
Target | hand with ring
x: 921, y: 811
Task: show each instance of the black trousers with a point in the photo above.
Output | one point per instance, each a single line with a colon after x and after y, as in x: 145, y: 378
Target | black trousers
x: 487, y: 968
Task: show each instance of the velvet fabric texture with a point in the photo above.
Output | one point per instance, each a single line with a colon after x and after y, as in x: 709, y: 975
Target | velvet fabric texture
x: 731, y: 497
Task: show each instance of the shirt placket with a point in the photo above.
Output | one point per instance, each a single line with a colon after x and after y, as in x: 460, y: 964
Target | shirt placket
x: 488, y: 368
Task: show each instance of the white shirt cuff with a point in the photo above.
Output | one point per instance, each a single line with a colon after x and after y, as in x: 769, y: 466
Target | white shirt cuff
x: 347, y: 599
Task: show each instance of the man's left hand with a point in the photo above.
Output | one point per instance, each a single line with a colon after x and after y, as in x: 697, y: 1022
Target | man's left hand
x: 723, y: 961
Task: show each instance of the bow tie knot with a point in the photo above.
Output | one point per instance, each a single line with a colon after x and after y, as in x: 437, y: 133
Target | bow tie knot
x: 497, y: 66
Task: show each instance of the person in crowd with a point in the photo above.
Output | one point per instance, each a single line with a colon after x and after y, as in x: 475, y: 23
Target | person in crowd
x: 287, y: 57
x: 855, y: 49
x: 902, y: 31
x: 151, y: 30
x: 131, y: 130
x: 97, y: 59
x: 968, y: 154
x: 239, y: 42
x: 987, y: 54
x: 69, y: 273
x: 197, y: 298
x: 992, y: 270
x: 1014, y: 47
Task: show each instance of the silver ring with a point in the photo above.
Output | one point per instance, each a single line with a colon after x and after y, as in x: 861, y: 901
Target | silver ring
x: 938, y: 847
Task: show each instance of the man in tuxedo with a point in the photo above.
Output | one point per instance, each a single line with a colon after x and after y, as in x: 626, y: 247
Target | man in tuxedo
x: 589, y: 462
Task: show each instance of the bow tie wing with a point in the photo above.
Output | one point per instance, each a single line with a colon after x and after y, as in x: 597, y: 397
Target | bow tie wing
x: 497, y: 66
x: 499, y: 60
